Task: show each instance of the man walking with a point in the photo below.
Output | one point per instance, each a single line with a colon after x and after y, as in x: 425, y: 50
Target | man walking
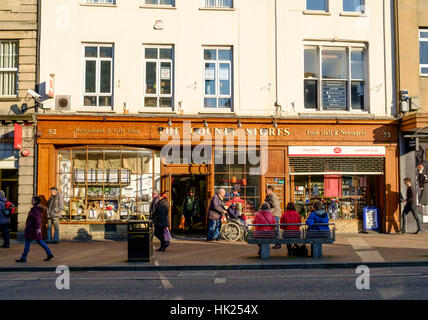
x: 190, y: 209
x: 275, y: 208
x: 54, y: 210
x: 410, y: 206
x: 215, y: 212
x: 4, y: 220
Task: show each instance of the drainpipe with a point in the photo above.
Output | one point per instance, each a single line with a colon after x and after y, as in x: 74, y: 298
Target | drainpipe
x: 36, y: 153
x: 276, y: 56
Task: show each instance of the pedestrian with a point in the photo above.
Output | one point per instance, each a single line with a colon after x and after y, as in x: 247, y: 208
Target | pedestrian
x: 4, y: 220
x: 191, y: 209
x: 160, y: 220
x: 410, y: 206
x: 291, y: 216
x: 318, y: 215
x: 154, y: 203
x: 422, y: 175
x: 215, y: 211
x: 275, y: 208
x: 33, y: 231
x: 54, y: 212
x: 266, y: 221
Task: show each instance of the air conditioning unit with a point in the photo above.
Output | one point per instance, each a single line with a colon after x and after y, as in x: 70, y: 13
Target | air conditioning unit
x: 62, y: 103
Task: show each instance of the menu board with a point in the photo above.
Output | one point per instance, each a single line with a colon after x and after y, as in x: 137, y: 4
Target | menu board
x: 334, y: 94
x: 371, y: 218
x: 278, y: 185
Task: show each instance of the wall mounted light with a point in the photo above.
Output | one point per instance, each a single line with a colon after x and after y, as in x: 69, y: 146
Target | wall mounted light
x: 205, y: 123
x: 275, y: 124
x: 170, y: 122
x: 239, y: 123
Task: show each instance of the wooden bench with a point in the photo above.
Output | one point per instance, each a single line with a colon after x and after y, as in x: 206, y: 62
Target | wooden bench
x: 303, y: 236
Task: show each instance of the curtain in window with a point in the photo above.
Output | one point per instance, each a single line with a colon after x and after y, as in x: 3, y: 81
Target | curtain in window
x: 8, y: 67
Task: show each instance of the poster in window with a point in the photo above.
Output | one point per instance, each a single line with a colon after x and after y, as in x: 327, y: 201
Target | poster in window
x: 101, y: 176
x: 124, y: 176
x: 224, y: 74
x: 209, y: 74
x: 113, y: 176
x: 165, y: 73
x: 79, y: 176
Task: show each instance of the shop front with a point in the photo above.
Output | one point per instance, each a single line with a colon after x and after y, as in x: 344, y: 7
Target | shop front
x: 106, y: 167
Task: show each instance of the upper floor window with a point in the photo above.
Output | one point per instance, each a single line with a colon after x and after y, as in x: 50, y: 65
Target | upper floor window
x: 335, y: 78
x: 101, y: 1
x: 160, y: 2
x: 98, y: 82
x: 423, y: 51
x: 317, y: 5
x: 353, y: 6
x: 218, y: 3
x: 218, y: 78
x: 158, y: 76
x: 9, y: 68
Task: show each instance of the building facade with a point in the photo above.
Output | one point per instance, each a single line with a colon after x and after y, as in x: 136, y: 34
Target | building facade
x: 143, y: 88
x: 412, y: 83
x: 18, y: 55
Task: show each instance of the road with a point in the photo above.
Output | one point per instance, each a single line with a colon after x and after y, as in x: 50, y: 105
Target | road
x: 339, y: 284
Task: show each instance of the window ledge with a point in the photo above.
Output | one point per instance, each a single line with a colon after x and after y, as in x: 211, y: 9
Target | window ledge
x: 353, y: 14
x: 147, y: 6
x: 98, y: 110
x: 317, y: 12
x: 157, y: 110
x: 108, y: 5
x: 216, y: 9
x: 9, y: 98
x: 217, y: 110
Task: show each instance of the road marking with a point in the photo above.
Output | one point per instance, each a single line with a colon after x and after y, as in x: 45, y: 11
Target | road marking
x: 365, y: 251
x: 219, y: 280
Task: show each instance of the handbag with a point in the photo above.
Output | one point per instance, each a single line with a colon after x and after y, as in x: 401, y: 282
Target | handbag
x: 167, y: 234
x: 300, y: 251
x: 182, y: 221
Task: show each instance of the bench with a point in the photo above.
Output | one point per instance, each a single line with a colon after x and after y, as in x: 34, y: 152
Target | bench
x: 303, y: 236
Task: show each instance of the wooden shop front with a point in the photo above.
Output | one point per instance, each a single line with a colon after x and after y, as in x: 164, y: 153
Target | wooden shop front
x: 106, y: 167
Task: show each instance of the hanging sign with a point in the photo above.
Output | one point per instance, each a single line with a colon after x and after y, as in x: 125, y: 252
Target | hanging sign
x: 336, y: 151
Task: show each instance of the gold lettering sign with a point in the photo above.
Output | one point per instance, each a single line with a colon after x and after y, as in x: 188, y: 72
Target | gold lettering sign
x: 227, y: 131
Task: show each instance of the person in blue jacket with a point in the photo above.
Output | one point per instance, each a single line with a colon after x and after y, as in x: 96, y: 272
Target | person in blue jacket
x: 317, y: 216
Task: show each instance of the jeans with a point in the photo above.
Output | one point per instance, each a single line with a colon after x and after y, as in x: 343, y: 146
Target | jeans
x: 55, y: 223
x: 27, y: 248
x: 213, y: 229
x: 4, y: 228
x: 414, y: 209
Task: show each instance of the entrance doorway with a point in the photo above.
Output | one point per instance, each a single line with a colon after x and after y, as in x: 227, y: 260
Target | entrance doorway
x: 180, y: 186
x: 9, y: 184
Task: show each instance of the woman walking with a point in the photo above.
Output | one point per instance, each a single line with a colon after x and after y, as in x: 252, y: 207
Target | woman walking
x: 160, y: 220
x: 33, y: 231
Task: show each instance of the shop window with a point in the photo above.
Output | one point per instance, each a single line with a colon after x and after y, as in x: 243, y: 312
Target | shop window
x: 232, y: 173
x: 106, y: 185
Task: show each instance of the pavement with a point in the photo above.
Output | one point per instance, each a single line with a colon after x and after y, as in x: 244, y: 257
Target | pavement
x: 194, y: 253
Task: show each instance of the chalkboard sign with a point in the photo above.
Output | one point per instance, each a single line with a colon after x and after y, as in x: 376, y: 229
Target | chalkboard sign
x: 334, y: 94
x: 371, y: 219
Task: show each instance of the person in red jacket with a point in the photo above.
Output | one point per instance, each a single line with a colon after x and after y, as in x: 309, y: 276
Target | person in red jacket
x: 267, y: 223
x: 290, y: 216
x: 33, y: 230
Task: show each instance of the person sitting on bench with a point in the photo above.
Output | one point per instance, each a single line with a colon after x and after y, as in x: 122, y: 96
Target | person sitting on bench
x: 318, y: 215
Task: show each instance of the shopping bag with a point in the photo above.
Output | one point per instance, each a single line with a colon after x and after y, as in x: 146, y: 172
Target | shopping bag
x: 167, y: 234
x: 182, y: 221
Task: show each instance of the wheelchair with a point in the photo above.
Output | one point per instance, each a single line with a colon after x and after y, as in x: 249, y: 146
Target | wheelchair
x: 233, y: 230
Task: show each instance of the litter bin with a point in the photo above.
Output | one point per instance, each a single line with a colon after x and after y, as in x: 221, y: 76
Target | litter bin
x: 140, y: 240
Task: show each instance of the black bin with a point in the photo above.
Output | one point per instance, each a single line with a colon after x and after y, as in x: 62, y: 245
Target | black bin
x: 140, y: 240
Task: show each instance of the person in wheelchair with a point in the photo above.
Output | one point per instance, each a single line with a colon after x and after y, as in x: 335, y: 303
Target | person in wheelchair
x: 234, y: 213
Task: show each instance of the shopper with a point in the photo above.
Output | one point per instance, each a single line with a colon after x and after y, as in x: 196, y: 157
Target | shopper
x: 317, y: 216
x: 291, y: 216
x: 191, y: 209
x: 154, y: 203
x: 33, y: 231
x: 266, y: 221
x: 54, y: 212
x: 160, y: 220
x: 4, y: 220
x: 410, y: 206
x: 275, y: 208
x: 215, y: 211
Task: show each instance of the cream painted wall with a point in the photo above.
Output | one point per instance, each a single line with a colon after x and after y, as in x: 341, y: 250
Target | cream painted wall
x: 249, y: 28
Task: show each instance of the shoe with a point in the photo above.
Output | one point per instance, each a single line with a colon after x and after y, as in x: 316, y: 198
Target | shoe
x: 277, y: 246
x: 166, y: 245
x: 217, y: 239
x: 55, y: 242
x: 49, y: 257
x: 21, y: 260
x: 401, y: 231
x: 418, y: 232
x: 161, y: 249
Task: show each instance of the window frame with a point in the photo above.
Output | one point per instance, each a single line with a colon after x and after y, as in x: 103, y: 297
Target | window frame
x: 98, y: 61
x: 422, y: 66
x: 326, y: 3
x: 348, y: 78
x: 12, y: 70
x: 158, y: 4
x: 106, y: 3
x: 217, y: 63
x: 204, y: 4
x: 159, y: 61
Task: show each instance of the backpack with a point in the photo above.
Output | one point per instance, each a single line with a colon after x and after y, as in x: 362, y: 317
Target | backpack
x: 9, y: 209
x: 299, y: 251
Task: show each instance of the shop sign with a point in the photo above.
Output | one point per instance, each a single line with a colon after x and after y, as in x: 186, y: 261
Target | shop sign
x: 336, y: 151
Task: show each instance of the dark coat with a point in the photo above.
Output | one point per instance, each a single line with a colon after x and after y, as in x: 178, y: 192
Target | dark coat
x: 216, y: 208
x: 3, y: 218
x: 153, y: 206
x: 33, y: 225
x: 160, y: 216
x: 319, y: 216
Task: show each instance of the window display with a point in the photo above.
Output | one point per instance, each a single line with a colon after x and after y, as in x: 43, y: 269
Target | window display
x: 105, y: 185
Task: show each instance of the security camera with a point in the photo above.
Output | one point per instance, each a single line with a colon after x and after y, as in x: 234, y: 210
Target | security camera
x: 34, y: 94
